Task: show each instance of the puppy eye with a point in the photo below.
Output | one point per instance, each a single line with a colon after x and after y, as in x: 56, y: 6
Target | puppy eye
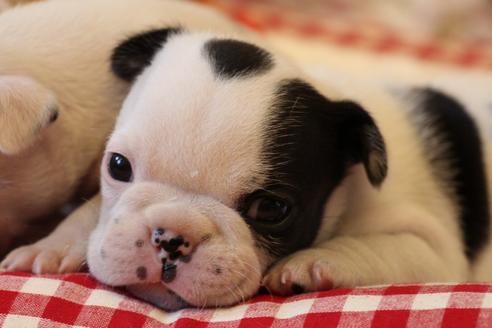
x: 120, y: 168
x: 267, y: 209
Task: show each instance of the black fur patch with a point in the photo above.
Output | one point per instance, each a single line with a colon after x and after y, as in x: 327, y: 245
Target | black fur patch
x: 233, y: 59
x: 310, y: 142
x: 133, y: 55
x: 461, y: 154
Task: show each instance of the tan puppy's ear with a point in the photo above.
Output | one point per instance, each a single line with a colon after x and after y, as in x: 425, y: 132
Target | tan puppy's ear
x: 26, y: 108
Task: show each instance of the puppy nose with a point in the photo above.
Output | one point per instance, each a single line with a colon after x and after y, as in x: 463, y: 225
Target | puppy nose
x: 177, y: 230
x: 172, y: 249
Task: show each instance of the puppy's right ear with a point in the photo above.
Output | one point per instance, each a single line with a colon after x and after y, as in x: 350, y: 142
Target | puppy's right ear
x: 133, y: 55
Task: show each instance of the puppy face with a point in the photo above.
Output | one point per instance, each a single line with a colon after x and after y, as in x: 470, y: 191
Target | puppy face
x: 221, y: 162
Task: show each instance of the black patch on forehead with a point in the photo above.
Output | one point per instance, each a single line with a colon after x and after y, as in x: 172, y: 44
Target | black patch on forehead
x: 310, y: 142
x: 233, y: 59
x: 457, y: 159
x: 133, y: 55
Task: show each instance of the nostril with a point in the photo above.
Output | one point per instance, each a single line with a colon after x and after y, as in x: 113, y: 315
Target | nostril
x: 166, y: 241
x: 175, y: 255
x: 165, y: 245
x: 157, y: 235
x: 173, y: 244
x: 176, y: 242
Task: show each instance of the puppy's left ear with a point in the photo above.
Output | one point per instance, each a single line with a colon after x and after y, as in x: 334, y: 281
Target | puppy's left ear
x: 362, y: 141
x: 133, y: 55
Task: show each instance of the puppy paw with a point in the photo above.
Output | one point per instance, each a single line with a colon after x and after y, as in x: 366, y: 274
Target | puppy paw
x: 304, y: 271
x: 42, y: 257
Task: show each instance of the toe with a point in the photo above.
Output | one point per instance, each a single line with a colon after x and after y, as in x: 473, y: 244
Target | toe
x: 46, y: 262
x: 20, y: 259
x: 279, y: 282
x: 321, y: 276
x: 71, y: 263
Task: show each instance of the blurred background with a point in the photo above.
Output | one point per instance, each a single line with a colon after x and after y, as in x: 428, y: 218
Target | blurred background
x: 454, y: 32
x: 457, y: 33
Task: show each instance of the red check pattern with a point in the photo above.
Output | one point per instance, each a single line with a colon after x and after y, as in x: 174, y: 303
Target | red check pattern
x: 78, y: 300
x: 361, y: 34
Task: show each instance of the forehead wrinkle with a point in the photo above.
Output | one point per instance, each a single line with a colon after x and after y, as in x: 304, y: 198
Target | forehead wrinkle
x: 223, y: 149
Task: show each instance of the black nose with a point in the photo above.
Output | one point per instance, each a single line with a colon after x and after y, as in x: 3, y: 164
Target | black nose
x: 172, y: 245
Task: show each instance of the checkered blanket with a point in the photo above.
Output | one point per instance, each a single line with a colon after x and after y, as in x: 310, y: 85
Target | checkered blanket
x: 78, y: 300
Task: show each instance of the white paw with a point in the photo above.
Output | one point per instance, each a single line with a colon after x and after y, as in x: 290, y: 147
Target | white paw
x: 304, y: 271
x: 46, y: 256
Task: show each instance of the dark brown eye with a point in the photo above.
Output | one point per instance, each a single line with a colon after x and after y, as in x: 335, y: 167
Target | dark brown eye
x: 119, y: 168
x: 267, y: 209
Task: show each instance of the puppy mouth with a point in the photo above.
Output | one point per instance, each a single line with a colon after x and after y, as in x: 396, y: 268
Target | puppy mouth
x: 173, y: 298
x: 159, y: 295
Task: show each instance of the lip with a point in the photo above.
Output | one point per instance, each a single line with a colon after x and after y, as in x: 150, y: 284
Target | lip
x: 161, y: 296
x: 158, y: 295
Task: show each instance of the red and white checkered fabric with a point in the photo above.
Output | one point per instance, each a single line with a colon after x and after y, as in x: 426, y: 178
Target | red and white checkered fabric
x: 78, y: 300
x: 363, y: 33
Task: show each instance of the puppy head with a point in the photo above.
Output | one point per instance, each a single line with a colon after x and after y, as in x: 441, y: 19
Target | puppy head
x: 221, y: 162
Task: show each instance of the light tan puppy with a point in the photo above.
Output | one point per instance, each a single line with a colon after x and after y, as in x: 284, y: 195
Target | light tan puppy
x: 58, y: 103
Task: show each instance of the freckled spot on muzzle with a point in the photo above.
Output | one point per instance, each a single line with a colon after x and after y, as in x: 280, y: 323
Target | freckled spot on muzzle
x: 142, y: 273
x: 186, y: 258
x: 218, y: 270
x: 205, y: 238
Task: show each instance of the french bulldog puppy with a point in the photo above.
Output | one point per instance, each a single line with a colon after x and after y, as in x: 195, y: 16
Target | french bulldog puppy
x: 229, y: 169
x: 58, y: 103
